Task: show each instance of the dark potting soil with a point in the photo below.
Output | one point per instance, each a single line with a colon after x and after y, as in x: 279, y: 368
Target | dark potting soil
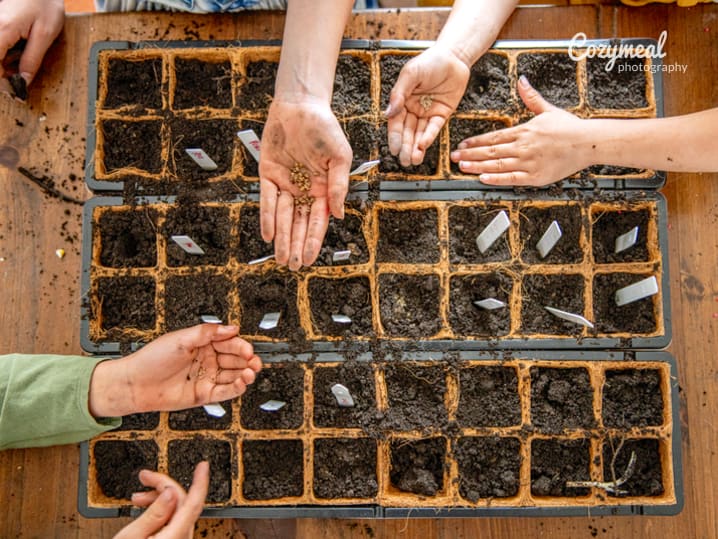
x: 465, y: 225
x: 418, y: 465
x: 208, y: 226
x: 118, y: 464
x: 555, y: 462
x: 632, y: 398
x: 19, y: 86
x: 215, y: 137
x: 409, y: 304
x: 363, y: 138
x: 619, y: 88
x: 390, y: 163
x: 251, y: 245
x: 610, y: 170
x: 608, y: 226
x: 358, y: 378
x: 128, y: 239
x: 467, y: 319
x: 132, y: 144
x: 489, y: 86
x: 198, y: 419
x: 146, y: 421
x: 273, y: 293
x: 416, y: 397
x: 344, y: 235
x: 352, y: 87
x: 126, y: 302
x: 188, y: 297
x: 488, y: 397
x: 389, y: 67
x: 134, y: 83
x: 553, y: 75
x: 350, y: 297
x: 345, y: 468
x: 460, y: 129
x: 563, y: 292
x: 250, y: 165
x: 647, y: 476
x: 408, y: 236
x: 272, y: 469
x: 184, y: 455
x: 257, y: 88
x: 202, y: 84
x: 535, y: 221
x: 488, y: 467
x: 280, y: 383
x: 561, y: 398
x: 637, y: 317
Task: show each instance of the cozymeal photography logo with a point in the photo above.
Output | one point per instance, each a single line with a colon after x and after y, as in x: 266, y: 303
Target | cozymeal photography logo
x: 580, y: 48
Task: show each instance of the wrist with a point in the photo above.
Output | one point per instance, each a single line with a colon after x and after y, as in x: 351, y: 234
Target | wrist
x: 462, y: 52
x: 110, y: 394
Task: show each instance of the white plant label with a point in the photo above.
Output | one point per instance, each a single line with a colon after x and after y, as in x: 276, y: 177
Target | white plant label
x: 364, y: 167
x: 188, y: 245
x: 570, y: 317
x: 493, y: 231
x: 210, y: 319
x: 215, y: 410
x: 270, y: 321
x: 272, y: 406
x: 634, y: 292
x: 251, y: 141
x: 490, y: 304
x: 549, y: 239
x: 627, y: 240
x: 341, y: 256
x: 260, y: 260
x: 344, y: 398
x: 200, y: 157
x: 341, y: 319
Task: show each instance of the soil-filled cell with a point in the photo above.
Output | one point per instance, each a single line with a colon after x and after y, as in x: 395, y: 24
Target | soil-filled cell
x: 118, y: 463
x: 363, y: 138
x: 215, y: 137
x: 561, y: 398
x: 465, y: 225
x: 134, y: 83
x: 468, y: 319
x: 408, y: 236
x: 391, y: 163
x: 143, y: 421
x: 638, y: 317
x: 257, y: 88
x: 188, y: 297
x: 250, y: 166
x: 632, y: 398
x: 417, y: 466
x: 202, y: 84
x: 132, y: 145
x: 488, y: 467
x: 607, y: 226
x: 208, y: 226
x: 184, y: 455
x: 416, y: 396
x: 352, y: 87
x: 562, y: 292
x: 345, y: 468
x: 646, y: 477
x: 556, y: 462
x: 535, y: 221
x: 460, y: 129
x: 251, y: 245
x: 348, y: 297
x: 198, y: 418
x: 358, y: 378
x: 272, y: 469
x: 279, y: 383
x: 553, y: 75
x: 260, y: 295
x: 344, y: 235
x: 622, y: 87
x: 611, y: 170
x: 128, y: 239
x: 489, y: 86
x: 488, y: 397
x: 409, y: 305
x: 126, y: 302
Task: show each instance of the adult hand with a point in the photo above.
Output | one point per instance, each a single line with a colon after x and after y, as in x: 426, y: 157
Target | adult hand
x: 426, y: 93
x: 301, y: 133
x: 203, y: 364
x: 549, y: 147
x: 38, y: 21
x: 172, y: 512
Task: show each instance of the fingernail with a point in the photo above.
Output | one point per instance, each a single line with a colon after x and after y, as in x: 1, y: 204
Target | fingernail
x: 463, y: 164
x: 523, y: 81
x: 455, y: 156
x: 387, y: 110
x: 484, y: 177
x: 230, y: 327
x: 462, y: 145
x: 167, y: 494
x: 25, y: 75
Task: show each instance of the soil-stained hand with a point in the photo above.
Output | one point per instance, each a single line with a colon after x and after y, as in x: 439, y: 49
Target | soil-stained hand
x: 304, y: 136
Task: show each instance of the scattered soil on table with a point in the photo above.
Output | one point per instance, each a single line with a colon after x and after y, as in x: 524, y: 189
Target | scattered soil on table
x: 488, y: 397
x: 184, y: 455
x: 637, y: 318
x: 128, y: 239
x: 465, y: 225
x: 632, y: 398
x: 561, y: 398
x: 352, y: 87
x: 345, y: 468
x: 358, y: 378
x: 488, y: 467
x: 208, y: 226
x: 280, y: 383
x: 535, y: 221
x: 134, y: 83
x: 363, y: 138
x: 408, y: 236
x: 608, y: 226
x: 200, y: 83
x: 132, y: 144
x: 344, y: 235
x: 198, y: 419
x: 146, y: 421
x: 647, y: 476
x: 563, y: 292
x: 389, y: 67
x: 553, y: 75
x: 255, y: 94
x: 556, y: 462
x: 416, y: 397
x: 350, y: 297
x: 489, y: 85
x: 118, y: 464
x: 460, y: 129
x: 272, y: 293
x: 409, y: 305
x: 467, y: 319
x: 126, y: 302
x: 251, y: 245
x: 389, y: 163
x: 620, y: 88
x: 188, y: 297
x: 272, y: 469
x: 250, y: 164
x: 215, y: 137
x: 418, y: 465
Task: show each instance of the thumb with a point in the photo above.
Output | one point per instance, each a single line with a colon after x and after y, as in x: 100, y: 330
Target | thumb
x: 403, y: 87
x: 529, y: 95
x: 154, y: 519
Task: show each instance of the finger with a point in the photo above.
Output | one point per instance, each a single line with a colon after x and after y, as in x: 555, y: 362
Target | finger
x: 182, y: 524
x: 317, y: 228
x: 201, y: 335
x: 228, y: 376
x: 268, y: 193
x: 161, y: 482
x: 407, y: 142
x: 484, y: 153
x: 143, y: 499
x: 404, y: 86
x: 417, y: 153
x: 299, y: 236
x: 283, y: 227
x: 236, y: 347
x: 509, y: 164
x: 433, y: 128
x: 153, y: 519
x: 508, y: 178
x: 255, y: 364
x: 502, y: 136
x: 532, y: 98
x: 394, y: 130
x: 223, y: 392
x: 40, y: 38
x: 338, y: 187
x: 231, y: 361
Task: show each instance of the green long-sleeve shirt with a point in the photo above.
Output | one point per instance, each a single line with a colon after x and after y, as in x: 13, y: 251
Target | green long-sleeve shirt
x: 44, y: 401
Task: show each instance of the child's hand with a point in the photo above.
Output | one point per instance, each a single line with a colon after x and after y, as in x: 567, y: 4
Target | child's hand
x: 546, y: 149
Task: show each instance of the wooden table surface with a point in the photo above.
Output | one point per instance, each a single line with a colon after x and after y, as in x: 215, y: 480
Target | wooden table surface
x: 41, y: 293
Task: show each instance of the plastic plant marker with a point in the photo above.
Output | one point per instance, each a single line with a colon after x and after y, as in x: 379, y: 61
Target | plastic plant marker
x: 260, y: 260
x: 490, y: 304
x: 215, y: 410
x: 633, y: 292
x: 272, y: 405
x: 627, y: 240
x: 364, y: 167
x: 340, y: 256
x: 341, y: 319
x: 344, y: 398
x: 251, y: 141
x: 570, y: 317
x: 200, y: 157
x: 188, y: 245
x: 270, y: 321
x: 493, y: 231
x: 549, y: 239
x: 210, y: 319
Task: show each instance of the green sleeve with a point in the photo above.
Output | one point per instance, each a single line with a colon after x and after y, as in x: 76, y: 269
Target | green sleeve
x: 44, y: 401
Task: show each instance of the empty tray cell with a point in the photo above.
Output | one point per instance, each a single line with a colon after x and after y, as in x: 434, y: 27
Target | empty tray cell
x: 556, y: 462
x: 632, y: 398
x: 132, y: 144
x: 561, y: 398
x: 390, y: 163
x: 465, y: 225
x: 390, y: 66
x: 621, y: 87
x: 488, y: 467
x: 128, y: 238
x: 184, y: 455
x: 250, y: 166
x: 460, y: 129
x: 350, y: 297
x: 345, y: 468
x: 409, y: 305
x: 408, y: 236
x: 215, y: 137
x: 416, y: 396
x: 609, y: 225
x: 118, y: 463
x: 201, y: 83
x: 265, y: 294
x: 534, y: 221
x: 188, y: 297
x: 257, y: 88
x: 251, y: 245
x: 198, y: 419
x: 208, y: 226
x: 638, y: 317
x: 363, y: 138
x: 283, y: 384
x: 469, y: 320
x: 344, y: 235
x: 352, y: 86
x: 145, y: 421
x: 553, y: 74
x: 562, y: 292
x: 488, y: 397
x: 489, y: 85
x: 272, y: 469
x: 135, y: 83
x: 646, y: 477
x: 358, y: 378
x: 125, y: 303
x: 417, y: 466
